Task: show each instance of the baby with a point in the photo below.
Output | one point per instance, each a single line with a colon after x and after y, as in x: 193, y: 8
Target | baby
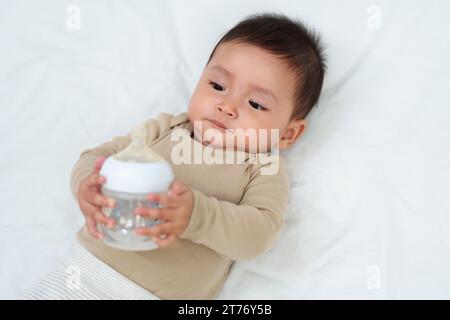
x: 266, y: 73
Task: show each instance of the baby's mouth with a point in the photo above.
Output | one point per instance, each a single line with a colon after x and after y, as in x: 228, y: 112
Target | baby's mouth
x: 219, y: 125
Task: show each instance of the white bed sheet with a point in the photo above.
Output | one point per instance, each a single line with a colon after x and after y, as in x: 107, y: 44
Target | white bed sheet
x: 370, y: 181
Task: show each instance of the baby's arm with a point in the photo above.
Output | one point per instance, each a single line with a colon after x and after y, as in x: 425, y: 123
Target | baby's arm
x: 246, y: 230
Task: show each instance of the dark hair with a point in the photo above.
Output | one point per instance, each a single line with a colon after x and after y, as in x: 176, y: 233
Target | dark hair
x: 295, y: 44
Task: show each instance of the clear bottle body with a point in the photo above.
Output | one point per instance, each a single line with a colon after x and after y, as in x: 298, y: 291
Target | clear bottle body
x: 122, y: 235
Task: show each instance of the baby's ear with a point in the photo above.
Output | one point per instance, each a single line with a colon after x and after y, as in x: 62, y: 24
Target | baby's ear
x: 303, y: 125
x: 291, y: 133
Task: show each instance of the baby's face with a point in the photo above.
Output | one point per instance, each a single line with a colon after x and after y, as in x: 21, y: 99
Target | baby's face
x: 244, y: 87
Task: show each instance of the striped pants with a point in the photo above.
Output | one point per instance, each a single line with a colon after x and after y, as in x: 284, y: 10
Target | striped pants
x: 82, y: 276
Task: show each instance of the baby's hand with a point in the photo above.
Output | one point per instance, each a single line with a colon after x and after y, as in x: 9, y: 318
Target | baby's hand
x: 177, y: 204
x: 91, y: 201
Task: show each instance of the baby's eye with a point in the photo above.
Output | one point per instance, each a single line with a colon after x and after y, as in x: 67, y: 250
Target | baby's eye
x: 216, y: 86
x: 257, y: 105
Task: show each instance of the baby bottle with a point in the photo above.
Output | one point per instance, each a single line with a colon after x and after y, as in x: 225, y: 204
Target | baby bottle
x: 131, y: 175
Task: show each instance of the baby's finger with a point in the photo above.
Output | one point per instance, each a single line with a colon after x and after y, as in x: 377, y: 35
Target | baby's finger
x: 99, y: 200
x: 156, y: 230
x: 177, y: 188
x: 98, y: 216
x: 164, y: 199
x: 164, y: 241
x: 92, y: 228
x: 94, y: 180
x: 154, y: 213
x: 98, y: 164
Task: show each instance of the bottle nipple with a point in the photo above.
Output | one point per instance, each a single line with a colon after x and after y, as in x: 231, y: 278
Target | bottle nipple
x: 137, y: 150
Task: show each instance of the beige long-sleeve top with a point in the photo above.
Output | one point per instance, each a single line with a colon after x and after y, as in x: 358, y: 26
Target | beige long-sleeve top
x: 237, y: 214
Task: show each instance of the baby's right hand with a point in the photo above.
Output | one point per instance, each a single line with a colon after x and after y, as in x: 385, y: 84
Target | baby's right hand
x: 91, y: 201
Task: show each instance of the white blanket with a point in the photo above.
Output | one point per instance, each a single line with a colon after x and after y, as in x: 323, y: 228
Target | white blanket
x: 369, y: 212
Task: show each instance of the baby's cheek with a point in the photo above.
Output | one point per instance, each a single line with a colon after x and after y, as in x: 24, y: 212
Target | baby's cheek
x: 257, y: 141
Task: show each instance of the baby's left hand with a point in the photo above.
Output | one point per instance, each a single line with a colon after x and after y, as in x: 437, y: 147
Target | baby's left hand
x: 177, y: 204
